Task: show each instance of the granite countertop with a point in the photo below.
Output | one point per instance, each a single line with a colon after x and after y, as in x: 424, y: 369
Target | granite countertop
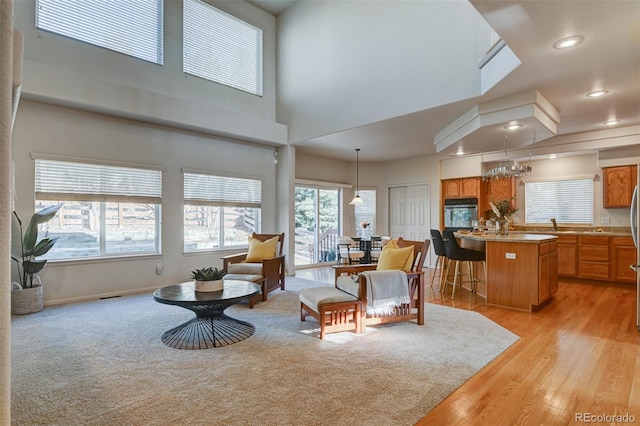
x: 514, y: 237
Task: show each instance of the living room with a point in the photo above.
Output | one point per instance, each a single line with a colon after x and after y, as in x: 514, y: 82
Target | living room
x: 80, y: 102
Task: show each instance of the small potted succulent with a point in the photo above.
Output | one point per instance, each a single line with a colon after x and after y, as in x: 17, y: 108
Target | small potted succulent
x: 208, y: 279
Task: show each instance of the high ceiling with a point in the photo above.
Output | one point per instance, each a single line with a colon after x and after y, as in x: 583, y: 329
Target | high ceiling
x: 608, y: 58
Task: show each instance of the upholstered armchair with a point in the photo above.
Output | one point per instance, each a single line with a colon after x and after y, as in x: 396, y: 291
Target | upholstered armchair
x: 263, y: 264
x: 345, y: 306
x: 394, y: 261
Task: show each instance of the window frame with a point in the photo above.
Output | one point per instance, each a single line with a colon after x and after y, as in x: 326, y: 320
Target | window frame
x: 249, y: 196
x: 359, y: 217
x: 154, y: 55
x: 567, y: 190
x: 66, y: 180
x: 253, y: 85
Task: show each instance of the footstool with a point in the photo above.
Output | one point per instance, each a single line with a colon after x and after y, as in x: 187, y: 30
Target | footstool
x: 334, y: 309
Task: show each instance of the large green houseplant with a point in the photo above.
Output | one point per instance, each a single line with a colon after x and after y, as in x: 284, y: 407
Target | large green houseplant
x: 26, y: 294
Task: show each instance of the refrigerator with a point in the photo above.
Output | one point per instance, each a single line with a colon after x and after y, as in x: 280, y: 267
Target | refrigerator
x: 635, y: 230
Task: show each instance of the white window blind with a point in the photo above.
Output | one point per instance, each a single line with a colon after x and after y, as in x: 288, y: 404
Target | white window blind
x: 132, y: 27
x: 202, y: 189
x: 62, y: 180
x: 222, y: 48
x: 568, y: 201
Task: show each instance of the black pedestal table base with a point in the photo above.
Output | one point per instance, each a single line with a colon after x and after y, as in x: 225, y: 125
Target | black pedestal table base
x: 211, y: 328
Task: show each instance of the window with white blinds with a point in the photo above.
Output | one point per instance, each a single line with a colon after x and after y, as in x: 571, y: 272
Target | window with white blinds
x: 220, y: 211
x: 132, y: 27
x: 221, y: 48
x: 222, y: 190
x: 107, y: 210
x: 366, y: 212
x: 568, y: 201
x: 63, y: 180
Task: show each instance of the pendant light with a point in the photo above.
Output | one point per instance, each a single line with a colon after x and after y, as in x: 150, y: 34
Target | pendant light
x: 357, y: 200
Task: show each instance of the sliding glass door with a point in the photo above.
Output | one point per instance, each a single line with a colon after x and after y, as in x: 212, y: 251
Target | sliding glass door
x: 317, y: 216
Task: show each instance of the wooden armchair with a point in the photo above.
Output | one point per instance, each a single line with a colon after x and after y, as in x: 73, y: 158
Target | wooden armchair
x: 268, y: 273
x: 404, y: 312
x: 344, y: 306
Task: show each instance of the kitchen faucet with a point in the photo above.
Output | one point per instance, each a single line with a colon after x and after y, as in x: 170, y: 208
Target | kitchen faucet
x: 555, y: 225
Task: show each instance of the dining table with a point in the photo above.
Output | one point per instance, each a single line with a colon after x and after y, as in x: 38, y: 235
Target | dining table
x: 367, y: 245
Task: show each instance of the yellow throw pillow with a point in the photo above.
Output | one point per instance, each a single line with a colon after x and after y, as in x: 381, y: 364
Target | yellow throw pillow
x: 394, y: 257
x: 259, y: 250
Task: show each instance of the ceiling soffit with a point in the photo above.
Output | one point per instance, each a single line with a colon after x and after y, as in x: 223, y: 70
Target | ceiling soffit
x: 485, y: 125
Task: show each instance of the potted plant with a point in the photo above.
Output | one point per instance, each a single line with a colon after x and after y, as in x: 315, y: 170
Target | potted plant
x: 208, y: 279
x: 503, y: 210
x: 26, y: 293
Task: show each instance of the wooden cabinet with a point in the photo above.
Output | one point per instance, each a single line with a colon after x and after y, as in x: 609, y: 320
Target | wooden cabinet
x: 618, y: 184
x: 461, y: 188
x: 451, y: 188
x: 497, y: 189
x: 596, y: 257
x: 521, y: 275
x: 593, y: 257
x: 553, y: 267
x: 623, y: 254
x: 568, y: 256
x: 470, y: 187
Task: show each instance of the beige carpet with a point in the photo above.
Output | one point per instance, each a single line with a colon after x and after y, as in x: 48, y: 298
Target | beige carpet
x: 102, y: 363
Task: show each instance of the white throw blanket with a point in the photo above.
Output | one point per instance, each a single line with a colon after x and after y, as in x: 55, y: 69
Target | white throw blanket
x: 385, y: 290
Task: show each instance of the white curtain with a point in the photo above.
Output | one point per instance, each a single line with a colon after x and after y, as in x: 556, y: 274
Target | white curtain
x: 7, y: 107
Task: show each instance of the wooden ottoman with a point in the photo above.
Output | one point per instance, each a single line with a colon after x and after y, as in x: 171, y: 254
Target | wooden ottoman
x: 334, y: 309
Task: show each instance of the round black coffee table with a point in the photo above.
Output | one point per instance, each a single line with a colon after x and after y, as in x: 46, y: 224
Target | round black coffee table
x: 210, y: 328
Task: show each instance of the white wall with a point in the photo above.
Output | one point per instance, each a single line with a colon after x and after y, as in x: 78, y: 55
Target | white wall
x: 379, y: 176
x: 336, y: 59
x: 64, y: 71
x: 44, y: 128
x: 132, y: 111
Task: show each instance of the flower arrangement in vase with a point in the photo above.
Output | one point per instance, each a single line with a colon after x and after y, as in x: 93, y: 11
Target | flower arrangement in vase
x: 503, y: 209
x: 365, y: 230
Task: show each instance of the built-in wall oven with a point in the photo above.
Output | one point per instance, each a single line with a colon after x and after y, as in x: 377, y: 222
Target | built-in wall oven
x: 459, y: 213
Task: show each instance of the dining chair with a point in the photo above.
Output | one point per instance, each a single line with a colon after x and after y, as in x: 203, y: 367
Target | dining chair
x: 348, y: 251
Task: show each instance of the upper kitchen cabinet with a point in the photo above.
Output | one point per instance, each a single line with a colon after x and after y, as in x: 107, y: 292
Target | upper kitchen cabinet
x: 618, y: 184
x: 498, y: 189
x: 461, y: 188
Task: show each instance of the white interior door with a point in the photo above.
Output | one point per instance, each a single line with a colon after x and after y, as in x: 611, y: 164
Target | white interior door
x: 409, y: 215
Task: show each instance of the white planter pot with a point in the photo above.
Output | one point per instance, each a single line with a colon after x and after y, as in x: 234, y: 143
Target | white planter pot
x: 26, y: 300
x: 206, y: 286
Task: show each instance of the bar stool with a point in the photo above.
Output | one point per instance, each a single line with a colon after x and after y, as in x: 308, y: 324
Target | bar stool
x: 459, y: 254
x: 441, y: 260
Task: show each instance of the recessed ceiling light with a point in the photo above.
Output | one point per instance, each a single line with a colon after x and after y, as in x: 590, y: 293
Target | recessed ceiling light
x: 460, y: 152
x: 568, y: 42
x: 513, y: 126
x: 597, y: 93
x: 611, y: 122
x: 552, y: 156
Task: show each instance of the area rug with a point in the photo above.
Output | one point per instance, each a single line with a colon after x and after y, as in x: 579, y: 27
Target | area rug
x: 102, y: 363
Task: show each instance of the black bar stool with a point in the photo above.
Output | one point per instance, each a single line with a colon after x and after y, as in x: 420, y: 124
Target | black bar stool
x: 459, y: 254
x: 438, y: 248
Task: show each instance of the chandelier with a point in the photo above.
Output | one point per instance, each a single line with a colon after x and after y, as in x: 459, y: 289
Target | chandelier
x: 506, y: 168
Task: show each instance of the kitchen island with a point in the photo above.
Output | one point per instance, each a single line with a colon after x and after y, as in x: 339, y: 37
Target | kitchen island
x: 522, y: 269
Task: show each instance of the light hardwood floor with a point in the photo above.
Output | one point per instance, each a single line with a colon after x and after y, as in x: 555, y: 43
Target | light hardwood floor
x: 577, y: 358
